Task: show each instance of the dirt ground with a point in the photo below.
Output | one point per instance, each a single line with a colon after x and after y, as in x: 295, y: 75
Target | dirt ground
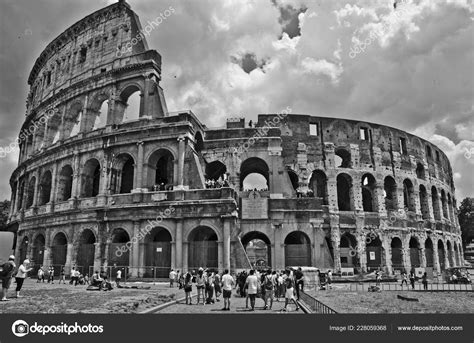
x: 55, y: 298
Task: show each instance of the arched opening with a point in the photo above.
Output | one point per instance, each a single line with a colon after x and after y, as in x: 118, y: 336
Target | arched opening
x: 38, y: 252
x: 258, y: 249
x: 397, y: 254
x: 344, y: 192
x: 390, y: 192
x: 293, y: 179
x: 456, y: 256
x: 435, y: 202
x: 86, y: 252
x: 54, y: 125
x: 90, y: 179
x: 254, y: 174
x: 374, y: 251
x: 444, y: 204
x: 297, y: 250
x: 59, y: 252
x: 122, y: 174
x: 72, y: 120
x: 100, y: 120
x: 23, y: 249
x: 45, y: 188
x: 21, y: 192
x: 199, y: 142
x: 202, y: 248
x: 65, y: 183
x: 128, y: 174
x: 424, y: 203
x: 420, y: 171
x: 129, y: 106
x: 415, y: 259
x: 429, y: 253
x: 30, y: 196
x: 450, y: 253
x: 119, y: 251
x: 369, y: 200
x: 158, y: 252
x: 408, y: 195
x: 318, y: 183
x: 441, y: 255
x: 348, y: 251
x: 342, y: 158
x: 216, y: 170
x: 161, y: 164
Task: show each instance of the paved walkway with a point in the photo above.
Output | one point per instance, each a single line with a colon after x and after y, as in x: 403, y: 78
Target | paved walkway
x: 237, y: 305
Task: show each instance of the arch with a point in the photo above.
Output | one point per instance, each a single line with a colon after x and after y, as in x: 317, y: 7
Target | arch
x: 348, y: 251
x: 374, y: 252
x: 297, y: 249
x: 369, y: 199
x: 161, y: 168
x: 344, y: 192
x: 203, y: 251
x: 86, y: 251
x: 158, y: 251
x: 390, y: 191
x: 441, y: 254
x: 456, y: 255
x: 342, y: 158
x: 318, y: 183
x: 24, y: 249
x: 38, y: 250
x: 414, y: 247
x: 258, y: 172
x: 424, y: 203
x: 119, y: 252
x: 129, y: 106
x: 408, y: 195
x: 64, y: 191
x: 122, y: 174
x: 420, y: 171
x: 98, y: 112
x: 429, y: 253
x: 90, y: 178
x: 73, y: 119
x: 258, y: 248
x: 216, y: 170
x: 397, y: 254
x: 435, y: 203
x: 45, y: 188
x: 293, y: 179
x: 59, y: 252
x: 30, y: 196
x: 54, y: 126
x: 450, y: 253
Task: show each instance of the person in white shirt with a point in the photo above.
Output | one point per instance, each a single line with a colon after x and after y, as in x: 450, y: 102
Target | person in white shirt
x: 252, y: 284
x: 172, y: 277
x: 21, y: 275
x: 227, y: 283
x: 118, y: 278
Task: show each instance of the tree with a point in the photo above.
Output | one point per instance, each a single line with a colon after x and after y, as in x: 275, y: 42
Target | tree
x: 466, y: 220
x: 4, y: 210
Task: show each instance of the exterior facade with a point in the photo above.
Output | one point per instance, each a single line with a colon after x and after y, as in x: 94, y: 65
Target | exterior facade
x: 100, y: 185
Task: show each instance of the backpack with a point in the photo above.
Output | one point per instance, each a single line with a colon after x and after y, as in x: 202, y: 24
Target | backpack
x: 7, y: 267
x: 268, y: 283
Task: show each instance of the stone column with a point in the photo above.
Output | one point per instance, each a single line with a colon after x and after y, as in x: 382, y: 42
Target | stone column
x: 406, y: 255
x: 447, y: 264
x: 69, y: 257
x: 335, y: 241
x: 362, y: 252
x: 436, y: 264
x: 220, y: 254
x: 135, y: 253
x: 332, y: 193
x: 226, y: 243
x: 400, y: 197
x: 97, y: 256
x: 53, y: 183
x: 179, y: 244
x: 185, y: 255
x: 139, y: 166
x: 380, y: 200
x: 17, y: 196
x: 279, y: 251
x: 37, y: 190
x: 76, y: 184
x: 423, y: 255
x: 388, y: 257
x: 181, y: 154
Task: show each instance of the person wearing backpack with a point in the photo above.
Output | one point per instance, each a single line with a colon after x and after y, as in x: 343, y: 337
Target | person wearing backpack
x: 289, y: 294
x: 6, y: 274
x: 269, y: 286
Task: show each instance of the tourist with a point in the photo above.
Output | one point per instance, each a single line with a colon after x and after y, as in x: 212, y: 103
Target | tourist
x: 252, y: 285
x: 269, y: 286
x: 200, y: 284
x: 289, y: 292
x: 227, y: 283
x: 172, y: 276
x: 74, y: 276
x: 329, y: 278
x: 40, y: 274
x: 412, y: 279
x: 51, y: 275
x: 209, y: 287
x: 6, y: 276
x: 404, y: 279
x: 424, y: 281
x: 118, y: 277
x: 96, y: 279
x: 62, y: 276
x: 21, y: 275
x: 299, y: 282
x: 86, y: 280
x: 181, y: 280
x: 188, y: 288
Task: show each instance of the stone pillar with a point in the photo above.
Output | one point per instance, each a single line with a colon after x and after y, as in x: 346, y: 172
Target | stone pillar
x: 139, y: 166
x: 181, y: 154
x: 380, y: 200
x: 362, y: 252
x: 220, y: 255
x: 335, y: 241
x: 447, y: 264
x: 423, y: 255
x: 135, y: 253
x: 179, y: 244
x: 436, y: 265
x: 406, y: 255
x: 69, y: 257
x: 400, y: 197
x: 185, y: 256
x: 76, y: 184
x: 332, y: 193
x: 96, y: 256
x: 106, y: 252
x: 17, y: 196
x: 226, y: 243
x: 356, y: 196
x: 37, y: 190
x: 279, y: 251
x: 388, y: 256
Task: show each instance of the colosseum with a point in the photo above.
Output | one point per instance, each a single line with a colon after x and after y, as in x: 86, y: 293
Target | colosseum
x: 101, y: 183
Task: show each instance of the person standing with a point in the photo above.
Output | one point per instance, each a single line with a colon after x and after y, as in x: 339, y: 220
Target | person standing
x: 269, y: 286
x: 118, y: 277
x: 188, y: 288
x: 227, y: 283
x: 217, y: 285
x: 412, y: 280
x: 21, y: 275
x: 172, y: 277
x: 252, y: 288
x: 378, y: 278
x: 289, y: 293
x: 62, y: 276
x: 404, y: 279
x: 8, y: 269
x: 209, y: 286
x: 200, y: 283
x: 40, y: 274
x: 329, y: 278
x: 51, y: 275
x: 299, y: 278
x: 424, y: 281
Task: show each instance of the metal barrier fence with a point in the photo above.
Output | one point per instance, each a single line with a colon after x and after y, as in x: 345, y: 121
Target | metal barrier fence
x: 132, y: 274
x: 315, y: 305
x: 431, y: 287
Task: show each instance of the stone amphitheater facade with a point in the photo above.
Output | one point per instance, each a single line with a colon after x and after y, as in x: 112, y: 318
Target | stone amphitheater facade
x: 97, y: 185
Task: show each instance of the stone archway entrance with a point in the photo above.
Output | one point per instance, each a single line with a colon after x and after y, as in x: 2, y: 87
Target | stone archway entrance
x: 258, y: 248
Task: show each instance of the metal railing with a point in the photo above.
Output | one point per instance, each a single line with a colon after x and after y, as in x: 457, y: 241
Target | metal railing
x: 315, y: 305
x: 431, y: 287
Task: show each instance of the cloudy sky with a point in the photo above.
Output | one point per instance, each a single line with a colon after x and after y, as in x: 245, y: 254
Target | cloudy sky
x: 408, y: 65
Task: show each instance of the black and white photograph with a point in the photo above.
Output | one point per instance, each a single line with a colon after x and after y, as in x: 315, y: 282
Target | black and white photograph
x: 180, y: 162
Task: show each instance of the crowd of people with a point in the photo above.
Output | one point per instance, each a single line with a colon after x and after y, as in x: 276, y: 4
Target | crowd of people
x: 269, y: 285
x: 219, y: 183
